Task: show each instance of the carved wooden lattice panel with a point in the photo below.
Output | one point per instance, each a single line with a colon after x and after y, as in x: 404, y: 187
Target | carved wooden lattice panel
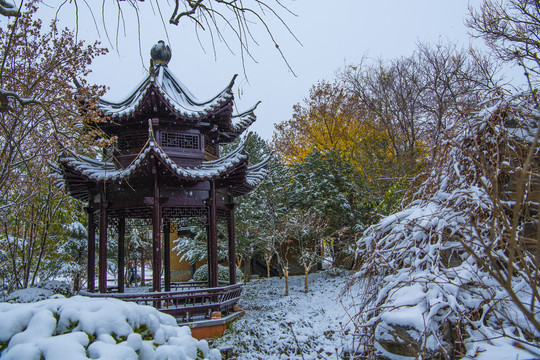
x: 182, y: 141
x: 131, y: 213
x: 132, y: 141
x: 184, y: 211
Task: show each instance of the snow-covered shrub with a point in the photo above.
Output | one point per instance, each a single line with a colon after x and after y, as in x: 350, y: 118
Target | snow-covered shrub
x: 56, y: 286
x: 434, y: 273
x: 43, y: 290
x: 335, y: 272
x: 82, y: 328
x: 28, y: 295
x: 223, y: 274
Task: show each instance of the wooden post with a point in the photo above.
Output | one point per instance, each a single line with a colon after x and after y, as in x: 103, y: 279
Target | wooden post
x: 142, y: 266
x: 208, y: 246
x: 121, y: 253
x: 102, y: 264
x: 212, y: 238
x: 167, y: 254
x: 91, y: 270
x: 232, y: 247
x: 156, y: 233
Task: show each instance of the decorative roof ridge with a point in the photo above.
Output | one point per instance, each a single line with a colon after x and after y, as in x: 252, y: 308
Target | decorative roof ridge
x: 263, y: 163
x: 240, y: 122
x: 165, y: 72
x: 130, y: 103
x: 240, y: 148
x: 105, y: 165
x: 142, y: 84
x: 248, y: 111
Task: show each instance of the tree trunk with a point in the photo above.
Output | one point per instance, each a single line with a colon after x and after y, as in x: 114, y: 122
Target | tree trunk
x: 286, y: 274
x: 239, y: 261
x: 76, y: 282
x: 306, y: 272
x: 247, y: 269
x: 268, y: 260
x: 268, y: 268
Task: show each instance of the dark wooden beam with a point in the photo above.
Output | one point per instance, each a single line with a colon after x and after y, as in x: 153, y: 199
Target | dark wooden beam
x: 121, y: 253
x: 167, y: 254
x: 232, y: 246
x: 102, y: 265
x: 91, y: 270
x: 212, y: 238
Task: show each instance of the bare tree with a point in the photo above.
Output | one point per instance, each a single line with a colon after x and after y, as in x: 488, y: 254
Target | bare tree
x: 414, y: 99
x: 307, y: 231
x: 510, y: 28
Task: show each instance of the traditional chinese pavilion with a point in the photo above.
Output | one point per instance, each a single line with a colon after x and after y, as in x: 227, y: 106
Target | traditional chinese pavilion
x: 165, y: 165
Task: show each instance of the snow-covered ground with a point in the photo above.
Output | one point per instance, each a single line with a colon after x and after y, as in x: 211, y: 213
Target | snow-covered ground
x: 298, y: 326
x: 317, y: 325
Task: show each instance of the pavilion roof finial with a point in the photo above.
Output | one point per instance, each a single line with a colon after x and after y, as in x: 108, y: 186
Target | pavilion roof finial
x: 160, y: 53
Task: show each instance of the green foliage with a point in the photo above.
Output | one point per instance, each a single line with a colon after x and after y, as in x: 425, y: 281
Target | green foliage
x: 200, y: 354
x: 145, y: 333
x: 329, y: 187
x: 194, y: 248
x: 393, y: 196
x: 257, y: 213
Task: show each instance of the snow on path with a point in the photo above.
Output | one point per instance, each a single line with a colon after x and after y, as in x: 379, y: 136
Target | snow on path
x: 300, y: 326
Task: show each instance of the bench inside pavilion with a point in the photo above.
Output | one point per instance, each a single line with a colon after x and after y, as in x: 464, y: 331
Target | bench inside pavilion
x: 165, y: 166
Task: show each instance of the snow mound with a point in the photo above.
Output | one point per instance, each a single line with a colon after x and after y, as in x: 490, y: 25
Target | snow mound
x: 89, y: 328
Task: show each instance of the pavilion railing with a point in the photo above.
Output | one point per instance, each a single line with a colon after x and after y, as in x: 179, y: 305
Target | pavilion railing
x: 185, y: 305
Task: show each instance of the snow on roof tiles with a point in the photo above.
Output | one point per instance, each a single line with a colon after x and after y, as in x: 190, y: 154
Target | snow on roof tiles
x: 97, y: 170
x: 242, y: 121
x: 172, y: 89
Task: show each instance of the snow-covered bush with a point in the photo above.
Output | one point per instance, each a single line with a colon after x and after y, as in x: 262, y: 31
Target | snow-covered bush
x: 335, y: 272
x: 434, y: 273
x: 223, y: 274
x: 43, y: 290
x: 28, y: 295
x: 82, y: 328
x: 56, y: 286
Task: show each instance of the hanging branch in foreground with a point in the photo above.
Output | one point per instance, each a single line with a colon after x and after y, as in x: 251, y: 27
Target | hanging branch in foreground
x: 8, y: 9
x: 217, y: 17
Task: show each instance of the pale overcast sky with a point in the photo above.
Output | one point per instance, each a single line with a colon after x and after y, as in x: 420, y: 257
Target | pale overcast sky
x: 332, y: 33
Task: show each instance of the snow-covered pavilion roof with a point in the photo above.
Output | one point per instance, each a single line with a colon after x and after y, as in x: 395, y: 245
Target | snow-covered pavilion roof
x: 160, y: 89
x: 76, y: 171
x: 176, y: 95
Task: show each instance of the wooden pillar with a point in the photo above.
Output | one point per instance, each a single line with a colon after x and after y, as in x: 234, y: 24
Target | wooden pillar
x: 232, y: 246
x: 167, y: 254
x: 208, y: 247
x: 102, y: 265
x: 142, y: 266
x: 212, y: 238
x: 91, y: 270
x: 121, y: 253
x: 156, y: 234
